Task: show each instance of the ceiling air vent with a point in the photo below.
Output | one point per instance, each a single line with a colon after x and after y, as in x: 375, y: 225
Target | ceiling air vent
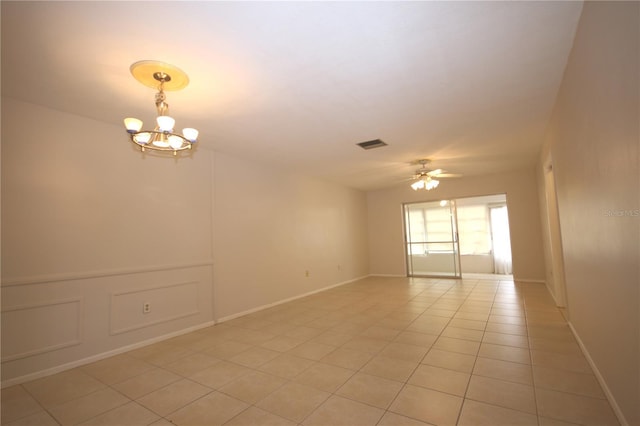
x: 376, y: 143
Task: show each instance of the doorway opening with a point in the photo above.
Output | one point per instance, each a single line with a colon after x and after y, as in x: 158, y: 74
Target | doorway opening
x: 459, y: 238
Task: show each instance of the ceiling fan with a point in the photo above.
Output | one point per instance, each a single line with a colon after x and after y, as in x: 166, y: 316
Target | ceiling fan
x: 425, y: 178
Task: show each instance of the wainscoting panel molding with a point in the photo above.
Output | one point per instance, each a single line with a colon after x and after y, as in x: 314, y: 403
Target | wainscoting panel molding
x: 166, y: 303
x: 53, y: 324
x: 37, y: 328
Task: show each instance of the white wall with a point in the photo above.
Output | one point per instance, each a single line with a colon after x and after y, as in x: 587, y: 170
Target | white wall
x: 593, y: 140
x: 272, y: 227
x: 386, y: 242
x: 92, y: 229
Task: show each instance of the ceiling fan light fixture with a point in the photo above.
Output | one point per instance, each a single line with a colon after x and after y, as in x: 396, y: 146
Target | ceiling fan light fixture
x: 163, y: 77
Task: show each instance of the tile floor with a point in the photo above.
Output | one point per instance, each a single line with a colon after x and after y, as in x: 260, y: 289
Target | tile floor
x: 380, y: 351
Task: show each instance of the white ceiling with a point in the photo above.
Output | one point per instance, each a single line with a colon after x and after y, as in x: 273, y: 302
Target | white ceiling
x: 470, y: 85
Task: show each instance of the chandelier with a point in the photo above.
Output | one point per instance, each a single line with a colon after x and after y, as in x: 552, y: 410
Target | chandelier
x: 425, y: 182
x: 160, y: 76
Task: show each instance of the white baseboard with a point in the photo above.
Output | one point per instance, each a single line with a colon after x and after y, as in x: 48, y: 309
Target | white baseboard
x: 280, y: 302
x: 603, y: 383
x: 387, y: 275
x: 101, y: 356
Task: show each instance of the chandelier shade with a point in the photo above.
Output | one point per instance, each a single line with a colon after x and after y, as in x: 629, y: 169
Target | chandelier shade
x: 162, y: 138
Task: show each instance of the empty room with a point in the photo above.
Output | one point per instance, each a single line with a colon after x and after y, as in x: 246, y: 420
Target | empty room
x: 320, y: 213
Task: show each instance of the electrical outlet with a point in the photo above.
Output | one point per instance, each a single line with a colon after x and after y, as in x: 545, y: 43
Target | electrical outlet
x: 146, y: 308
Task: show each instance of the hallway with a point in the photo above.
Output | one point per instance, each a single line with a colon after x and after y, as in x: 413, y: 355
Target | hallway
x: 378, y: 351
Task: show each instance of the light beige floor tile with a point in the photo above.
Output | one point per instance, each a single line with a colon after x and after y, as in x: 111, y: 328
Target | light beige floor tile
x: 166, y: 355
x: 278, y: 328
x: 468, y: 324
x: 480, y: 414
x: 17, y: 404
x: 219, y: 374
x: 504, y: 394
x: 312, y: 350
x: 252, y: 387
x: 543, y: 421
x: 393, y: 419
x: 337, y: 411
x: 146, y: 383
x: 555, y: 346
x: 212, y: 409
x: 440, y: 379
x: 116, y: 369
x: 427, y: 327
x: 41, y: 418
x: 131, y: 414
x: 324, y: 377
x: 253, y: 337
x: 348, y: 327
x: 332, y: 338
x: 474, y: 316
x: 404, y: 351
x: 371, y: 390
x: 507, y: 319
x: 463, y: 333
x: 287, y: 366
x: 394, y: 323
x: 381, y: 333
x: 504, y: 370
x: 450, y: 360
x: 192, y: 364
x: 281, y: 343
x: 427, y: 405
x: 62, y: 387
x: 254, y: 416
x: 389, y: 368
x: 304, y: 333
x: 227, y: 349
x: 347, y: 358
x: 457, y: 345
x: 558, y: 332
x: 574, y: 408
x: 575, y: 363
x: 365, y: 344
x: 505, y: 353
x: 174, y: 396
x: 505, y: 339
x: 293, y: 401
x: 567, y: 381
x: 88, y: 406
x: 416, y: 338
x: 518, y: 330
x: 254, y: 357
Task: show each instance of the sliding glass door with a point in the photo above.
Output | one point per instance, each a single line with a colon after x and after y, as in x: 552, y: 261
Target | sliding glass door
x: 432, y: 239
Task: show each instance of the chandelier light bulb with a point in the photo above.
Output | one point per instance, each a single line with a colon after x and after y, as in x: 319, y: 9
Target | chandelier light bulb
x: 190, y: 134
x: 133, y: 125
x: 165, y: 123
x: 175, y: 142
x: 142, y: 138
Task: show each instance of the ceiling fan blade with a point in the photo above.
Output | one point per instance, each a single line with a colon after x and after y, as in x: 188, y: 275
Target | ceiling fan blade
x: 449, y: 175
x: 435, y: 172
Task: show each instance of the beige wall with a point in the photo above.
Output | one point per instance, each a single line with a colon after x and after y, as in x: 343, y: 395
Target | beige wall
x: 84, y: 246
x: 386, y: 242
x: 272, y: 227
x: 593, y: 141
x: 91, y: 230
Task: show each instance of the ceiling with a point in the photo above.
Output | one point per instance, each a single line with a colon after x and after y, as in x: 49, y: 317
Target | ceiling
x: 470, y: 85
